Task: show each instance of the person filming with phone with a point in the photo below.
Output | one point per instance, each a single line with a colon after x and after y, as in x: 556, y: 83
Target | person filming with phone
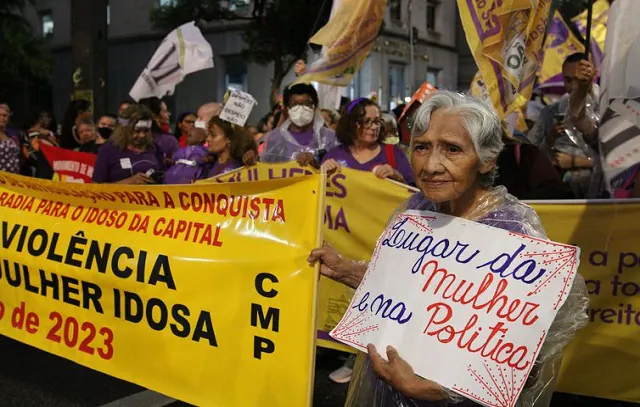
x: 565, y: 129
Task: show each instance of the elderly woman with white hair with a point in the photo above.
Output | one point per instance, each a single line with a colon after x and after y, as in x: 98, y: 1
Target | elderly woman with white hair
x: 455, y: 142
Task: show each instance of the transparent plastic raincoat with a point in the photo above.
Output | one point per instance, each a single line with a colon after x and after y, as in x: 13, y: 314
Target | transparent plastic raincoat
x: 500, y: 210
x: 281, y: 146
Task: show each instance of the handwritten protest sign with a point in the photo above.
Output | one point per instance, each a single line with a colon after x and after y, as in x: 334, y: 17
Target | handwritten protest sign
x: 467, y: 305
x: 238, y: 107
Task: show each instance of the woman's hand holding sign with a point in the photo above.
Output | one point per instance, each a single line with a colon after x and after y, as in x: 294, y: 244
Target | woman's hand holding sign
x: 334, y: 266
x: 400, y: 375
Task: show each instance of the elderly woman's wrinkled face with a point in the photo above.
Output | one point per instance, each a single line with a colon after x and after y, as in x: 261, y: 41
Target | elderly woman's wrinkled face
x: 369, y: 126
x: 86, y: 133
x: 444, y: 159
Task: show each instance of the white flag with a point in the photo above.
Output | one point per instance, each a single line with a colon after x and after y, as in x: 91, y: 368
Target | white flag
x: 183, y: 51
x: 619, y: 133
x: 329, y: 95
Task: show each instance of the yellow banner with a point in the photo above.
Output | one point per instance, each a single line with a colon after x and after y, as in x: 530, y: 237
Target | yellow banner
x: 202, y: 293
x: 347, y: 39
x: 358, y: 206
x: 505, y: 38
x: 604, y: 359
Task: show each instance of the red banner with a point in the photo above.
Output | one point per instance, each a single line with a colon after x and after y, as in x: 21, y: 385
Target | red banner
x: 69, y: 166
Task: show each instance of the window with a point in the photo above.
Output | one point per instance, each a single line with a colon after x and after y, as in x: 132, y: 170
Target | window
x: 432, y: 76
x: 108, y: 14
x: 395, y: 9
x: 432, y: 8
x: 168, y: 3
x: 46, y: 18
x: 236, y: 74
x: 396, y: 85
x: 235, y: 5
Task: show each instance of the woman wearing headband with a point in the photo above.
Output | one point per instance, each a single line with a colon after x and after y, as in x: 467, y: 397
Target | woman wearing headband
x: 130, y: 156
x: 362, y: 148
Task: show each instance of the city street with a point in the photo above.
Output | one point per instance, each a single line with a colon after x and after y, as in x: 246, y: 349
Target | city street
x: 32, y: 378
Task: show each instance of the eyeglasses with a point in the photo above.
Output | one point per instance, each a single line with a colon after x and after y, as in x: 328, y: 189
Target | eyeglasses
x: 367, y: 123
x: 307, y: 103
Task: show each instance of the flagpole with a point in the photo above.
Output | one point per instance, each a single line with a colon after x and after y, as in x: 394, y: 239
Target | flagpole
x: 411, y: 41
x: 587, y: 44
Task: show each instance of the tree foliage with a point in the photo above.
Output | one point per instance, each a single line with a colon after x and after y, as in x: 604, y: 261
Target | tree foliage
x: 276, y: 32
x: 24, y: 53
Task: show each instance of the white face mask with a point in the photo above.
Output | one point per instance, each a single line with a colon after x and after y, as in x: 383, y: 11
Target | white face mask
x: 301, y: 115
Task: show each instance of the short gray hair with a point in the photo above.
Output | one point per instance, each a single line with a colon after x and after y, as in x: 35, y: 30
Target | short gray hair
x: 481, y: 120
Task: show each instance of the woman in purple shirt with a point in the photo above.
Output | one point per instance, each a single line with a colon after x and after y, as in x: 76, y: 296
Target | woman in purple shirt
x: 228, y: 144
x: 359, y: 131
x: 130, y: 156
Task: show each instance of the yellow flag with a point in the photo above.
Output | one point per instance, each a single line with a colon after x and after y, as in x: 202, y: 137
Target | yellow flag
x: 560, y: 43
x: 505, y: 38
x: 347, y: 38
x: 599, y: 21
x: 201, y: 292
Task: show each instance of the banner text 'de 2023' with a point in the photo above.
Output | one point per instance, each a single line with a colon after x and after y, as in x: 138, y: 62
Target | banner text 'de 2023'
x: 191, y: 291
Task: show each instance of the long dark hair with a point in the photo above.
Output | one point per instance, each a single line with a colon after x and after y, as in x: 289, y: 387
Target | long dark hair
x: 177, y: 132
x: 74, y: 109
x: 241, y: 140
x: 350, y: 118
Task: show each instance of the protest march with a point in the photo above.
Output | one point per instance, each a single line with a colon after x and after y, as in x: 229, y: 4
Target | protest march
x: 463, y: 247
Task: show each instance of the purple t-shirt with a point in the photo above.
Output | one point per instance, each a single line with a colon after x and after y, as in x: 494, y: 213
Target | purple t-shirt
x: 278, y: 149
x: 304, y: 138
x: 218, y: 169
x: 113, y: 164
x: 342, y: 154
x: 188, y: 165
x: 167, y: 144
x: 503, y: 217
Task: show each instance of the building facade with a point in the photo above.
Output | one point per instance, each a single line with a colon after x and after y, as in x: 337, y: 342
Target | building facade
x: 388, y: 70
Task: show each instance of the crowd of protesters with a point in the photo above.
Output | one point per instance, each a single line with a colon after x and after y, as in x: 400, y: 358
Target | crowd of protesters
x: 555, y: 158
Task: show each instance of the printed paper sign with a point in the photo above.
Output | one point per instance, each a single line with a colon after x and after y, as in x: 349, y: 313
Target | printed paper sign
x: 238, y: 107
x: 467, y: 305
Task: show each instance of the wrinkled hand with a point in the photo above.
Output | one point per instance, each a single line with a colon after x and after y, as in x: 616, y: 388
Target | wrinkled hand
x: 249, y: 158
x: 563, y: 160
x: 138, y: 179
x: 332, y: 264
x: 305, y: 159
x: 386, y: 171
x: 400, y: 375
x: 585, y: 72
x: 331, y: 166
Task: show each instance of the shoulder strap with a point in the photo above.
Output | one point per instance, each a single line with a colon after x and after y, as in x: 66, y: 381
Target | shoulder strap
x: 517, y: 152
x: 390, y: 153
